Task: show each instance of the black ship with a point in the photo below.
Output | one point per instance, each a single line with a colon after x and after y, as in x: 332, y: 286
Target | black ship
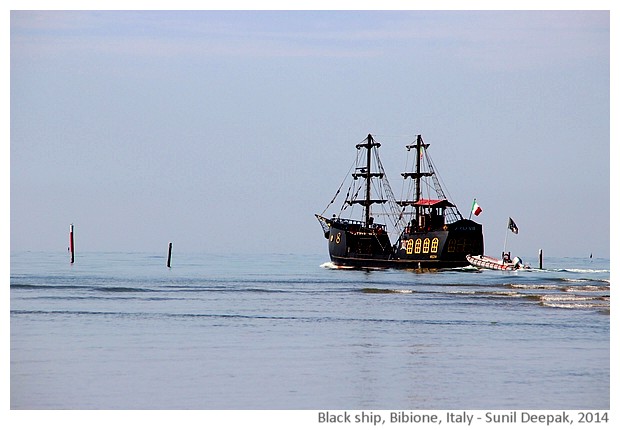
x: 422, y: 230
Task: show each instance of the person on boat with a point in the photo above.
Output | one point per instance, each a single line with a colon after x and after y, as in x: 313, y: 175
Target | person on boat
x: 506, y: 257
x: 518, y: 263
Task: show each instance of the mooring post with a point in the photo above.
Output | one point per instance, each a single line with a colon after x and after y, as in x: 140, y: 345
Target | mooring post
x: 540, y: 258
x: 71, y: 244
x: 169, y: 254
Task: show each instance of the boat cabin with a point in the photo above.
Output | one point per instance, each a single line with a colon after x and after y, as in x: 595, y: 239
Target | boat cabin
x: 430, y: 214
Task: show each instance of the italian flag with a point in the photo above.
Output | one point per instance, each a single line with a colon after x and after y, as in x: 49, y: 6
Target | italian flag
x: 475, y: 208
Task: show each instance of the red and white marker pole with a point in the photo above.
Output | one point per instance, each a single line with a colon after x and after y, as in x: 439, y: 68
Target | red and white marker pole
x: 71, y: 247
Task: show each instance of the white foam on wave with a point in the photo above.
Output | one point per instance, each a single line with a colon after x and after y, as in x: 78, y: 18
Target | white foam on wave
x: 584, y: 280
x: 587, y: 288
x: 533, y: 286
x: 332, y: 265
x: 588, y: 305
x: 584, y: 270
x: 564, y: 298
x: 569, y: 301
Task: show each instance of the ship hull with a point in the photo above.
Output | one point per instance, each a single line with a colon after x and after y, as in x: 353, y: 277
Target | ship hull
x: 443, y: 248
x: 395, y: 263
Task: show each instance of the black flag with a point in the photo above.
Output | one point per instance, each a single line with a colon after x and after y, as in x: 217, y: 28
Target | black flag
x: 512, y: 226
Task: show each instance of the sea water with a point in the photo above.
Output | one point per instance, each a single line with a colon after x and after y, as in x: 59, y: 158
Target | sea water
x: 123, y: 331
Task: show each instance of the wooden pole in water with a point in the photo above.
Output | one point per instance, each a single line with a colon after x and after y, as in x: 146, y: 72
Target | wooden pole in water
x: 540, y: 258
x: 71, y: 244
x: 169, y: 254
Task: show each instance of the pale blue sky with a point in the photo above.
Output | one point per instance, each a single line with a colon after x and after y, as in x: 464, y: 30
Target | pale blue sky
x: 227, y: 131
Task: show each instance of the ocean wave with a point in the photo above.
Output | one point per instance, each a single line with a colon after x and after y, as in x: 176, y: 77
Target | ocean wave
x: 580, y: 280
x: 586, y: 288
x: 490, y: 293
x: 533, y: 286
x: 566, y: 288
x: 122, y: 289
x: 564, y: 298
x: 47, y: 286
x: 576, y: 305
x: 386, y: 291
x: 572, y: 301
x: 576, y: 270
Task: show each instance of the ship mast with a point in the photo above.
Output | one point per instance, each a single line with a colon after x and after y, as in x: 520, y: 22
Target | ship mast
x: 367, y: 174
x: 367, y: 203
x: 417, y: 174
x: 418, y: 189
x: 452, y: 211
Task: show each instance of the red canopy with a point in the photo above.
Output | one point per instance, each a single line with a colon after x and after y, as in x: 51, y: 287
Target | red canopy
x: 435, y: 203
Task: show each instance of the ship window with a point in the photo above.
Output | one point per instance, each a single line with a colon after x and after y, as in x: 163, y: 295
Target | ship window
x: 451, y: 245
x: 410, y: 246
x: 427, y: 243
x: 434, y: 244
x: 418, y: 245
